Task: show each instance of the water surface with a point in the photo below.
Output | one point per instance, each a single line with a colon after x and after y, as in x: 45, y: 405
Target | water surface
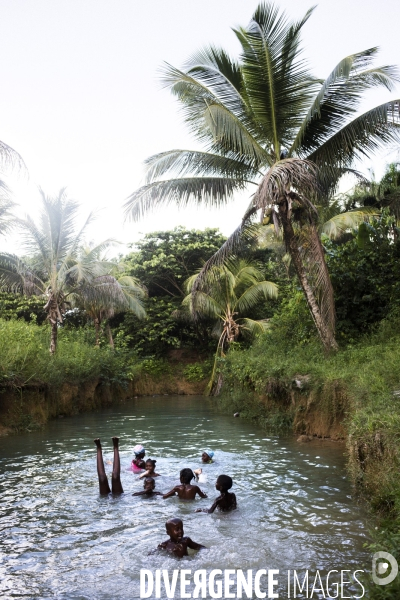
x: 60, y: 539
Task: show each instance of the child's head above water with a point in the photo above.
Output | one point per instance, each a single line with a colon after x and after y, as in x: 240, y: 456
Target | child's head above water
x: 207, y: 456
x: 139, y: 451
x: 149, y: 484
x: 150, y: 464
x: 174, y: 529
x: 224, y: 483
x: 186, y: 476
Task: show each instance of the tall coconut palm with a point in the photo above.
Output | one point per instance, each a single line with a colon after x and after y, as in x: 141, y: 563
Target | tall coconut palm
x: 265, y: 120
x: 227, y: 294
x: 54, y: 268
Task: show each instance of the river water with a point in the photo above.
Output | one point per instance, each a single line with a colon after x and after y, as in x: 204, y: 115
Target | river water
x: 60, y: 539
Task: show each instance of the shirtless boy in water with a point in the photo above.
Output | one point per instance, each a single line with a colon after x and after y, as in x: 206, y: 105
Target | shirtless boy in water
x: 186, y: 491
x: 177, y: 543
x: 116, y: 486
x: 148, y: 488
x: 226, y: 501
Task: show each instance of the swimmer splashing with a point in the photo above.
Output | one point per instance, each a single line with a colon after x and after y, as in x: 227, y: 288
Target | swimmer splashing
x: 116, y: 486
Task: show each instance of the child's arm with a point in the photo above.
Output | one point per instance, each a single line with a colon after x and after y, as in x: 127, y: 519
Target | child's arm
x: 170, y: 493
x: 234, y: 504
x: 194, y: 545
x: 145, y: 474
x: 200, y: 492
x: 138, y: 494
x: 212, y: 508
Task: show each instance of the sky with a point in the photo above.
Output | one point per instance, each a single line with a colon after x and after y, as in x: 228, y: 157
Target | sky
x: 82, y: 102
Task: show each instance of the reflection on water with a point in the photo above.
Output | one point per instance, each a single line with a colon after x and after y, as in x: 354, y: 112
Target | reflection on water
x: 60, y: 539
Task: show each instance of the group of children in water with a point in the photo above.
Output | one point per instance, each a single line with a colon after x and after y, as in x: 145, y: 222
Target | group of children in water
x: 177, y: 543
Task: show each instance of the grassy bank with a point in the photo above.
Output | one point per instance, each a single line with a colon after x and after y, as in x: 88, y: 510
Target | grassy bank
x: 35, y: 387
x: 286, y: 386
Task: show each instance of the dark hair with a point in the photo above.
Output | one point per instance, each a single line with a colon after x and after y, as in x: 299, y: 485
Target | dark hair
x: 149, y: 479
x: 225, y: 482
x: 150, y: 460
x: 186, y: 475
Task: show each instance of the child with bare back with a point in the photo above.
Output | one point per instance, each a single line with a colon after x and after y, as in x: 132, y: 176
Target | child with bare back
x: 148, y: 488
x: 226, y: 501
x: 116, y: 486
x: 178, y: 544
x: 186, y: 491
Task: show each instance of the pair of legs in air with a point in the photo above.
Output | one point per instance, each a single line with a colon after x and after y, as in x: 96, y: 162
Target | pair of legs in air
x: 116, y: 486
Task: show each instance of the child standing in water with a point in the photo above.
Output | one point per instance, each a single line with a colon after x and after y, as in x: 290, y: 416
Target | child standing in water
x: 186, y: 491
x: 178, y: 544
x: 207, y: 456
x: 138, y: 464
x: 116, y: 486
x: 150, y: 465
x: 226, y: 501
x: 148, y: 487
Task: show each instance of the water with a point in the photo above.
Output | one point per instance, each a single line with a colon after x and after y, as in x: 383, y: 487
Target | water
x: 60, y: 539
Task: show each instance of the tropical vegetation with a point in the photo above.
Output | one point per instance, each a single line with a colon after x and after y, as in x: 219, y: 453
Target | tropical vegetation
x: 266, y: 121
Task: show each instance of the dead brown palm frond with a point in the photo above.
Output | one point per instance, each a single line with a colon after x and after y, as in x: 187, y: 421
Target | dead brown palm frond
x: 312, y: 254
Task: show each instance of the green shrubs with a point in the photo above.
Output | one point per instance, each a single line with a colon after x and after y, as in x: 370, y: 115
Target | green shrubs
x: 25, y: 358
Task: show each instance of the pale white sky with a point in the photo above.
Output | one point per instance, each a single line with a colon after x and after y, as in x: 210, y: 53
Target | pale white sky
x: 82, y: 103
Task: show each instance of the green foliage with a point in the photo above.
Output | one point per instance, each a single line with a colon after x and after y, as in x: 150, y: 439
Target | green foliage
x: 366, y: 280
x: 165, y: 259
x: 197, y: 371
x: 29, y: 308
x: 24, y: 357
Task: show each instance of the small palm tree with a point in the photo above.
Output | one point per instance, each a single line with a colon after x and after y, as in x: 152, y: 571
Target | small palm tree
x: 227, y: 295
x: 55, y: 268
x: 265, y: 120
x: 109, y: 294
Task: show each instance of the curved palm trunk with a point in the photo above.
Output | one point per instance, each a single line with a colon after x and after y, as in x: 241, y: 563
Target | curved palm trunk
x: 230, y: 333
x: 325, y: 332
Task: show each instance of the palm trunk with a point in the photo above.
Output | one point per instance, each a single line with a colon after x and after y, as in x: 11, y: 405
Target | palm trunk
x: 326, y: 335
x: 53, y: 338
x: 97, y: 329
x: 110, y: 337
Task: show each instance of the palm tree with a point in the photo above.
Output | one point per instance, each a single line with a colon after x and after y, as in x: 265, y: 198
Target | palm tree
x: 265, y: 120
x: 110, y: 293
x: 227, y: 294
x: 55, y: 267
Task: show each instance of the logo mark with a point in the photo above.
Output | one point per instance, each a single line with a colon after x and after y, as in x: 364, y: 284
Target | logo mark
x: 382, y: 567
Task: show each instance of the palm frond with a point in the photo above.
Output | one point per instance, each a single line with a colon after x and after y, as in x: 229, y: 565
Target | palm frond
x: 184, y: 162
x: 252, y: 295
x: 208, y: 191
x: 339, y: 224
x: 253, y: 327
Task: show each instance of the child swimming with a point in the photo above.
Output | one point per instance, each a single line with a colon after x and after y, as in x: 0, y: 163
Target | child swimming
x: 207, y: 456
x: 178, y: 544
x: 148, y: 486
x: 138, y: 464
x: 226, y: 501
x: 116, y: 485
x: 186, y: 491
x: 150, y: 465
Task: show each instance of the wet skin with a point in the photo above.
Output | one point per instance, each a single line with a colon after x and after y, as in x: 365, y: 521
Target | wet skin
x: 205, y: 458
x: 225, y: 502
x: 185, y: 491
x: 148, y: 489
x: 116, y: 486
x: 149, y: 472
x: 177, y: 543
x: 138, y: 461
